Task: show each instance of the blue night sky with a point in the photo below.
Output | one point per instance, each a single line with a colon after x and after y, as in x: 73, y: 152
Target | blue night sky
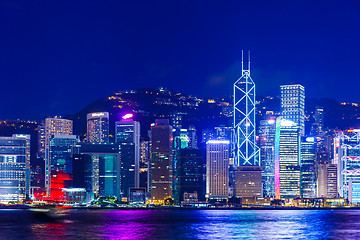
x: 59, y: 56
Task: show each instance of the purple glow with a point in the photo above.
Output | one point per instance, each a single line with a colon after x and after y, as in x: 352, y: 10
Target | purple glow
x: 127, y: 116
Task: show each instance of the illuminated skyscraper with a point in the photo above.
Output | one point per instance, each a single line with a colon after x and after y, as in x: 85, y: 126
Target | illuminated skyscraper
x: 246, y: 151
x: 161, y: 170
x: 14, y: 168
x: 287, y: 156
x: 192, y: 136
x: 317, y: 127
x: 53, y: 126
x: 327, y: 180
x: 347, y: 150
x: 293, y: 105
x: 307, y: 168
x: 267, y: 155
x: 61, y: 153
x: 127, y: 132
x: 98, y: 127
x: 217, y: 169
x: 41, y: 140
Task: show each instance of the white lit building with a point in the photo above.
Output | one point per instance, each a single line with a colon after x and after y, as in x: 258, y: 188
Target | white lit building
x: 217, y: 169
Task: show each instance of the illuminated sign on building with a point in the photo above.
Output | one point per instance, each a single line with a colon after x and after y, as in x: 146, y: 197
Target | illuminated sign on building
x: 98, y: 114
x: 127, y: 116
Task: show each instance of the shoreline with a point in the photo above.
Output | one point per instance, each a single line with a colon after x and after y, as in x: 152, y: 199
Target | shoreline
x: 25, y: 207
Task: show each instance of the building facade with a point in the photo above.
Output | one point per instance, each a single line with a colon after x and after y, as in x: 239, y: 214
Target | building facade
x: 127, y: 133
x: 190, y: 174
x: 161, y: 166
x: 14, y: 168
x: 248, y: 182
x: 287, y: 158
x: 267, y: 155
x: 217, y: 169
x: 98, y: 128
x: 53, y: 126
x: 293, y: 105
x: 347, y: 152
x: 307, y: 168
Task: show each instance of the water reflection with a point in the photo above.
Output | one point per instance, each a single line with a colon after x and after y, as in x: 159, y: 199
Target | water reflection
x: 186, y: 224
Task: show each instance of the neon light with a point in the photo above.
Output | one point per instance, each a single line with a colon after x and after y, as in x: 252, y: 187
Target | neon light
x: 218, y: 141
x: 271, y: 121
x: 127, y: 116
x: 287, y: 123
x: 98, y: 114
x: 310, y: 139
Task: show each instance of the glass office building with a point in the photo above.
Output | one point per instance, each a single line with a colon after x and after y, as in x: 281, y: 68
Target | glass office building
x: 267, y: 156
x: 347, y: 156
x: 14, y: 168
x: 217, y: 169
x: 307, y: 168
x: 293, y: 105
x: 287, y: 156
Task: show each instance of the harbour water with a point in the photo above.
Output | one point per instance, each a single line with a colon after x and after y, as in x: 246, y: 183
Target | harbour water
x: 184, y: 224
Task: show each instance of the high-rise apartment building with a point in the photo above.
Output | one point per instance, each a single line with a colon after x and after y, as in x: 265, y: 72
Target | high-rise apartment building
x: 98, y: 128
x: 14, y: 168
x: 287, y: 157
x: 293, y: 105
x: 52, y: 127
x: 267, y: 155
x: 217, y: 169
x: 161, y: 166
x: 307, y: 168
x: 127, y: 132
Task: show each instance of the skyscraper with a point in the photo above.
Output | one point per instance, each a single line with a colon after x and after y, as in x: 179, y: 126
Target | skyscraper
x: 287, y: 156
x: 307, y: 168
x: 127, y: 132
x: 14, y: 168
x: 293, y: 105
x: 61, y: 153
x: 246, y: 151
x: 267, y: 155
x: 161, y: 171
x: 348, y: 153
x: 190, y: 172
x: 327, y: 181
x: 317, y: 127
x: 217, y: 169
x: 98, y: 127
x: 53, y: 126
x: 192, y: 137
x: 97, y: 168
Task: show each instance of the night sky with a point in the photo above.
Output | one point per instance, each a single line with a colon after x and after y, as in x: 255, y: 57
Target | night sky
x: 59, y: 56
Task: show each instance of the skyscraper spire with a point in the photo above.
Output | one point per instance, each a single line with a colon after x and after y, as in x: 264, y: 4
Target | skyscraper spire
x: 246, y: 150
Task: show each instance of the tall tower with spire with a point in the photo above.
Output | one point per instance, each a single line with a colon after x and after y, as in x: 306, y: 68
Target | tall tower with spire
x: 246, y: 150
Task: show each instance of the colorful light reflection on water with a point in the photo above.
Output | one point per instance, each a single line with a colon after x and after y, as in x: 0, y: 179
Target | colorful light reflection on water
x: 186, y: 224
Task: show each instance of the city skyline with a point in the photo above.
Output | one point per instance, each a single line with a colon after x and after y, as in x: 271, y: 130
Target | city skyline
x: 93, y: 50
